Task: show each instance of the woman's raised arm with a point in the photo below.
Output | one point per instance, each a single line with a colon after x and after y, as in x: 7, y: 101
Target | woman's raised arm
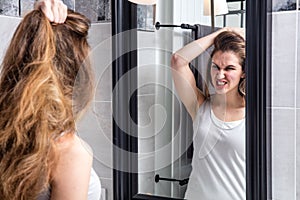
x: 183, y: 77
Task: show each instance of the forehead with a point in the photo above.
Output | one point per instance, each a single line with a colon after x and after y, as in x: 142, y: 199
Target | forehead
x: 226, y: 58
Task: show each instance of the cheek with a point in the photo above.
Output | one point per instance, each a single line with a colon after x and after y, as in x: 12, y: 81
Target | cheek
x: 234, y: 77
x: 213, y: 73
x: 211, y: 78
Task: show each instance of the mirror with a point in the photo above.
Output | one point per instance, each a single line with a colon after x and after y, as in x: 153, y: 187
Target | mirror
x: 165, y: 131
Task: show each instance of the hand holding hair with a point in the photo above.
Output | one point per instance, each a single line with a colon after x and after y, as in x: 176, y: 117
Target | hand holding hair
x: 55, y: 10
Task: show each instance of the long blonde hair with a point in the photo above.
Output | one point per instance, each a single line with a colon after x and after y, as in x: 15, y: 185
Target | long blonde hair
x: 45, y: 83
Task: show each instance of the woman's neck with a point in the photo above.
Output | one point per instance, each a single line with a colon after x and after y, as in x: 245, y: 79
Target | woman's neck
x: 228, y: 107
x: 229, y: 100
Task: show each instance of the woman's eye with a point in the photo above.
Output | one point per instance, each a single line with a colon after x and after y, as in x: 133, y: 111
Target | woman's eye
x: 230, y: 68
x: 214, y: 66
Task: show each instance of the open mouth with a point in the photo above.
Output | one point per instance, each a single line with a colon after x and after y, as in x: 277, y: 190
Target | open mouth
x: 220, y: 83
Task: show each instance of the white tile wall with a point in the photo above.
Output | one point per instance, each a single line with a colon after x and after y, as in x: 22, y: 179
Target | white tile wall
x: 298, y: 112
x: 26, y: 6
x: 297, y: 153
x: 146, y: 99
x: 283, y: 154
x: 285, y: 101
x: 283, y: 59
x: 7, y: 28
x: 96, y: 125
x: 147, y: 53
x: 298, y: 63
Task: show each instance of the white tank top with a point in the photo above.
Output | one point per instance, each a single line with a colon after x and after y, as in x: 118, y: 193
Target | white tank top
x: 218, y: 165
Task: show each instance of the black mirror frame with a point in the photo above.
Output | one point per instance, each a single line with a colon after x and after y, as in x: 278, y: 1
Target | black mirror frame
x: 124, y: 55
x: 258, y: 147
x: 258, y: 101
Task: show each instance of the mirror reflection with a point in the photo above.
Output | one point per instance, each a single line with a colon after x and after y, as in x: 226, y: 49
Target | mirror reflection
x: 192, y: 101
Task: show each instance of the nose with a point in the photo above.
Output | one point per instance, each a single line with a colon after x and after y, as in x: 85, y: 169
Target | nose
x: 220, y: 74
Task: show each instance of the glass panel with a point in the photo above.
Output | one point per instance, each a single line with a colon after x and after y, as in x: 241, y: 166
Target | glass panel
x: 285, y: 103
x: 165, y: 128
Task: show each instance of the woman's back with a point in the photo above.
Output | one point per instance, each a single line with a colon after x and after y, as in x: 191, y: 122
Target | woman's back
x: 69, y: 145
x: 45, y: 84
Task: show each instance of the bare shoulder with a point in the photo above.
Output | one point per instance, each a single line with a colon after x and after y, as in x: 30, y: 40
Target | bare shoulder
x: 72, y: 173
x: 71, y: 150
x: 72, y: 145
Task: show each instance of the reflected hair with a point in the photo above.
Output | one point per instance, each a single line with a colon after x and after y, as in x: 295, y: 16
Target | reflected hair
x: 229, y: 41
x: 45, y: 84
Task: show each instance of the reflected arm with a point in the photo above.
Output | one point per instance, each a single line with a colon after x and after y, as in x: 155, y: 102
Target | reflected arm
x: 184, y: 80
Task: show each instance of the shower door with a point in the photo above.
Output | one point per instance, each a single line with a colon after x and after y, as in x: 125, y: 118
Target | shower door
x: 159, y: 127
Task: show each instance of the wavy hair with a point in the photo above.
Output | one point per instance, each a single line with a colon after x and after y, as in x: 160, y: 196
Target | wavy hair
x: 232, y: 42
x: 45, y: 83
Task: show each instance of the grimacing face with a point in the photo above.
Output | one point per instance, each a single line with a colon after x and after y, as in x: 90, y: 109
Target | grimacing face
x: 226, y: 72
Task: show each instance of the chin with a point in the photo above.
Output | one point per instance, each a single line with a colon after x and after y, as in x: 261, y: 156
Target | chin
x: 220, y: 92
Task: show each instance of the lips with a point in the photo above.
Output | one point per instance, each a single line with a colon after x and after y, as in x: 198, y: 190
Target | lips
x: 221, y: 82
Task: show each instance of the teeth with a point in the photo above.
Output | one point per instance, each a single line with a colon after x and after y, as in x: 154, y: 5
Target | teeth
x: 220, y: 83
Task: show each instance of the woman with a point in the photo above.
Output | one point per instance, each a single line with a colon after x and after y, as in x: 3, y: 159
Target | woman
x: 45, y: 85
x: 218, y: 165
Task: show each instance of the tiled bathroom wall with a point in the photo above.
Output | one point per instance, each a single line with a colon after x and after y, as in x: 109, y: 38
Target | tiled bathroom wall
x: 285, y: 100
x: 27, y: 5
x: 146, y: 103
x: 9, y: 7
x: 96, y: 126
x: 95, y: 10
x: 284, y: 5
